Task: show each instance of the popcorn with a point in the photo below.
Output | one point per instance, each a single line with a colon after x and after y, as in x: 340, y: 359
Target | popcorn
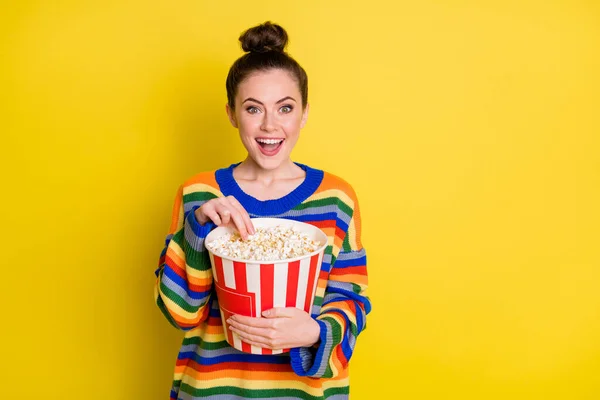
x: 267, y: 244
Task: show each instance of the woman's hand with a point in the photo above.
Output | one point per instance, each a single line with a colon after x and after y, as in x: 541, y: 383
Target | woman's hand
x: 282, y: 328
x: 226, y: 211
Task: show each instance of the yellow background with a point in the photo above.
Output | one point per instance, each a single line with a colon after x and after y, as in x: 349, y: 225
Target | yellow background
x: 469, y: 129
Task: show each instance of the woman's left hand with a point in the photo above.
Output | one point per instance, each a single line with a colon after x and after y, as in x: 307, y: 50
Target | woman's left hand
x: 282, y: 328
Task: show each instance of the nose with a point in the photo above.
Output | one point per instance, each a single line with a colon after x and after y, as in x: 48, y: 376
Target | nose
x: 268, y: 122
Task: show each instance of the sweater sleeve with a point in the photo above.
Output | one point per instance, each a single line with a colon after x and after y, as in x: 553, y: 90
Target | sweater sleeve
x: 343, y: 313
x: 184, y: 277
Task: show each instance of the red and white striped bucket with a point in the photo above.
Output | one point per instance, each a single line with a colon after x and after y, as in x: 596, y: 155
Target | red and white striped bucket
x: 249, y: 287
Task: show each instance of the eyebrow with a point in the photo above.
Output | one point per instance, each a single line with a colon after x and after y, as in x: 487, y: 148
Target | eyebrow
x: 261, y: 103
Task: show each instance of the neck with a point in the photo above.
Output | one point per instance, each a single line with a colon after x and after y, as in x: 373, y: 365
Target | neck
x: 252, y: 171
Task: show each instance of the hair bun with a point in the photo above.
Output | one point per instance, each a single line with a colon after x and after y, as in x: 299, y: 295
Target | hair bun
x: 263, y: 38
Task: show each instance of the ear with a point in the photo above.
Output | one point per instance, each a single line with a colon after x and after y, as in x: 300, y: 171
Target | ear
x: 304, y: 116
x: 231, y: 115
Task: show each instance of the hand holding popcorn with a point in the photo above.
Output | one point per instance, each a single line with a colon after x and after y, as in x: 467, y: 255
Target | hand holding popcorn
x: 281, y: 328
x: 226, y: 211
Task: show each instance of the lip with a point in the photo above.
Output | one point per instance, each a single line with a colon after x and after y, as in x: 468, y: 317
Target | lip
x: 272, y: 152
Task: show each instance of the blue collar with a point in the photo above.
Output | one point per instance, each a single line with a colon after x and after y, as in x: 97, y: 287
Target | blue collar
x: 229, y: 187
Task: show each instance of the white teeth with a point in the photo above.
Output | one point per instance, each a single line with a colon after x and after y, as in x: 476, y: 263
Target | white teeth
x: 269, y: 141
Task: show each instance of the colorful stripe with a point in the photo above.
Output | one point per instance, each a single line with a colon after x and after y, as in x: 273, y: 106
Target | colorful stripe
x: 185, y: 291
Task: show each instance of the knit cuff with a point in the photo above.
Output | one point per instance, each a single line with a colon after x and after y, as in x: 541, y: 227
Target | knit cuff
x: 195, y: 234
x: 311, y: 361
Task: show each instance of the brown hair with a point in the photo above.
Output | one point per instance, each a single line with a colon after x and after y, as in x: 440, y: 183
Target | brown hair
x: 264, y: 45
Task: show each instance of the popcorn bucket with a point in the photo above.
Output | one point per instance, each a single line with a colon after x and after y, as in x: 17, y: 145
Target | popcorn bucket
x: 250, y: 287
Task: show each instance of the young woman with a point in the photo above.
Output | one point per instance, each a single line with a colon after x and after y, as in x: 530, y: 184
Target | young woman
x: 267, y: 94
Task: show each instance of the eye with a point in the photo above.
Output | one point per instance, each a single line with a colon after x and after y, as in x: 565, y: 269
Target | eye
x: 252, y: 110
x: 286, y: 109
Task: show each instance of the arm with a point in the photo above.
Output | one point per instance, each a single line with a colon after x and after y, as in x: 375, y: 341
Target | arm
x: 184, y: 276
x: 344, y: 310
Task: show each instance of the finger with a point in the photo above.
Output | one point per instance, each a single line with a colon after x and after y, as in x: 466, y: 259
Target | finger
x: 278, y: 312
x: 225, y: 215
x: 254, y: 341
x: 253, y: 330
x: 200, y: 216
x: 244, y: 213
x: 235, y: 215
x: 239, y: 224
x: 265, y: 333
x: 251, y: 321
x: 211, y: 213
x: 246, y: 336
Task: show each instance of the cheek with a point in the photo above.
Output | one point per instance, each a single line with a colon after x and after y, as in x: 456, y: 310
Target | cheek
x: 248, y: 125
x: 292, y: 125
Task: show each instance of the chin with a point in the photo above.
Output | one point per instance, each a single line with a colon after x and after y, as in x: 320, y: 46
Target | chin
x: 269, y: 164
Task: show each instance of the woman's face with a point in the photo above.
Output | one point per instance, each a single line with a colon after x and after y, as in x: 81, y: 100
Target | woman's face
x: 269, y: 116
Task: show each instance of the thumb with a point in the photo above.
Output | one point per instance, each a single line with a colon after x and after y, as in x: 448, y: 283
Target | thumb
x: 278, y: 312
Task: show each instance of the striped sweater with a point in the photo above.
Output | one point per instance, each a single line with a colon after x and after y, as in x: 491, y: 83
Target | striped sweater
x: 207, y: 366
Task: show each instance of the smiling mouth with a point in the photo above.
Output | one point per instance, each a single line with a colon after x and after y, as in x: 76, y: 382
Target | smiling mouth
x: 270, y: 147
x: 269, y: 144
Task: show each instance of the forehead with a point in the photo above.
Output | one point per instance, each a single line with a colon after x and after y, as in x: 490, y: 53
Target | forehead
x: 268, y: 86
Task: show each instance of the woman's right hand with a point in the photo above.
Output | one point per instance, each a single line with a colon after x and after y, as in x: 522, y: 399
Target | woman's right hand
x: 226, y: 211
